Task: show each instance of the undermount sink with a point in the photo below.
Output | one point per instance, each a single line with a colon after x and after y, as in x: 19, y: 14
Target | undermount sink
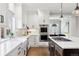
x: 61, y: 39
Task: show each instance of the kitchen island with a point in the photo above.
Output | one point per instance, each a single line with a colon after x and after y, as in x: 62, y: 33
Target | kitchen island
x: 64, y: 46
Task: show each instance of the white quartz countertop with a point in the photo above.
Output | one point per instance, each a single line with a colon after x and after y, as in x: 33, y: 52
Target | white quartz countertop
x: 73, y: 44
x: 10, y: 44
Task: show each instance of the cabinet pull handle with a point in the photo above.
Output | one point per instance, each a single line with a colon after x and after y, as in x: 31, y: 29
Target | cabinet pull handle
x: 24, y: 52
x: 19, y: 48
x: 19, y: 52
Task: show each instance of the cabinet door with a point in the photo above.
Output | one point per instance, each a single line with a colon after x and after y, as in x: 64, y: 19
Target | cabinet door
x: 18, y: 51
x: 33, y: 41
x: 28, y: 44
x: 13, y: 52
x: 36, y: 41
x: 58, y: 50
x: 25, y: 48
x: 51, y: 48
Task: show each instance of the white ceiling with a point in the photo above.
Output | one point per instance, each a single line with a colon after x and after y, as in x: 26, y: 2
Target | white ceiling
x: 47, y: 7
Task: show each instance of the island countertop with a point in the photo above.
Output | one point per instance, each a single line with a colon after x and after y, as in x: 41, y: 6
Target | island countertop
x: 73, y: 44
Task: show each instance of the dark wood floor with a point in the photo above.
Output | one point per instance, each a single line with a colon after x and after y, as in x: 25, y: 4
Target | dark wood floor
x: 38, y: 51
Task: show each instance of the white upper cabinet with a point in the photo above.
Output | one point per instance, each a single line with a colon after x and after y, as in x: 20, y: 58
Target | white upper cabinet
x: 11, y: 7
x: 18, y: 15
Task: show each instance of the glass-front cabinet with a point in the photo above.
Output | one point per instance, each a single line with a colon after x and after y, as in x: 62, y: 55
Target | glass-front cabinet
x: 2, y: 27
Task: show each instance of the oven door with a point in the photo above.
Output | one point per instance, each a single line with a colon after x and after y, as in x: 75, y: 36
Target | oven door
x: 43, y: 29
x: 44, y: 37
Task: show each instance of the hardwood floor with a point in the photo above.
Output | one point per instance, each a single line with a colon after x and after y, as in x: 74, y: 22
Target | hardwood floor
x: 38, y: 51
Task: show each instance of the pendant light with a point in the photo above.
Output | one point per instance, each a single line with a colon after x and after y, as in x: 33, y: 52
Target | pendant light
x: 61, y: 16
x: 76, y: 10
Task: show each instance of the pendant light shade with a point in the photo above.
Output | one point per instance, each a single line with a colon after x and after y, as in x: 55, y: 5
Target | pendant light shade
x: 54, y: 25
x: 61, y: 16
x: 77, y: 7
x: 76, y: 10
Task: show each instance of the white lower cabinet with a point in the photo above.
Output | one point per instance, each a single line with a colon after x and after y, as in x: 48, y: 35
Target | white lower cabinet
x: 25, y: 47
x: 33, y: 40
x: 13, y: 52
x: 16, y: 52
x: 20, y: 50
